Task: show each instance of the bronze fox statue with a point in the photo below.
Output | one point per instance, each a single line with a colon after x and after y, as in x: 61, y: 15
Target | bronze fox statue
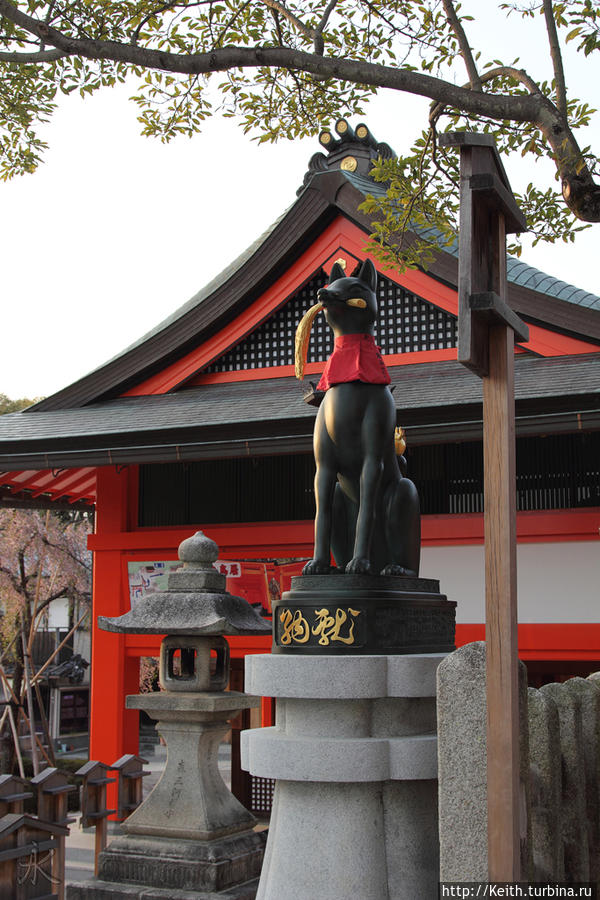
x: 367, y: 511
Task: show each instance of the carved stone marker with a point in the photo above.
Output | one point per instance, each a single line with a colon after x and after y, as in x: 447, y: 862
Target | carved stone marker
x: 546, y: 788
x: 463, y: 809
x: 190, y: 834
x: 573, y: 807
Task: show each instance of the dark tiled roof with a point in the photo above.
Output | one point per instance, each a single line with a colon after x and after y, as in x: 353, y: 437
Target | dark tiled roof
x: 518, y: 272
x: 272, y: 410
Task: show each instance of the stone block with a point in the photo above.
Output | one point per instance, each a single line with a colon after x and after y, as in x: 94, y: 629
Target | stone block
x: 573, y: 807
x: 339, y: 678
x: 326, y: 841
x: 462, y: 776
x: 545, y: 788
x: 209, y: 866
x: 462, y: 765
x: 589, y: 698
x: 89, y: 890
x: 594, y: 679
x: 397, y: 716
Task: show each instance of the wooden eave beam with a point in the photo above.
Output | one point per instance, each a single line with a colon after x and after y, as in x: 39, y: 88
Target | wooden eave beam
x: 12, y: 478
x: 86, y: 491
x: 60, y: 483
x: 22, y: 500
x: 38, y: 483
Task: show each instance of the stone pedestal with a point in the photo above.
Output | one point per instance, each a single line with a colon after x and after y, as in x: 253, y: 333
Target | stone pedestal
x: 190, y: 834
x: 354, y: 752
x: 191, y: 800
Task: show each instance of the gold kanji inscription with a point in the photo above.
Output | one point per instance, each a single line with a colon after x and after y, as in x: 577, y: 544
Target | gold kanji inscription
x: 329, y: 626
x: 295, y: 628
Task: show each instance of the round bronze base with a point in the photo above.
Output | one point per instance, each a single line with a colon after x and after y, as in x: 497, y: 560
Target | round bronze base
x: 363, y: 614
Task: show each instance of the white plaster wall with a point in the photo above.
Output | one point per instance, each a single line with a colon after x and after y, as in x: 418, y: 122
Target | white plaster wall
x: 556, y: 582
x: 58, y: 615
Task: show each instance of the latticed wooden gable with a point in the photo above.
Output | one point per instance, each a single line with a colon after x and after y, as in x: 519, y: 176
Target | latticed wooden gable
x: 407, y: 323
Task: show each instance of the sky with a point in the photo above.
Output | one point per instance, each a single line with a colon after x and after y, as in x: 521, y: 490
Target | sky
x: 115, y: 231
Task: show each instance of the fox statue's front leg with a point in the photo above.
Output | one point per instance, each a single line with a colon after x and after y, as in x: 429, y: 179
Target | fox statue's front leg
x: 325, y: 482
x: 370, y: 479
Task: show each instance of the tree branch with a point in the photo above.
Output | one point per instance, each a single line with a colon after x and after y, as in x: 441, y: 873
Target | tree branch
x: 556, y: 56
x: 292, y: 19
x: 519, y: 75
x: 166, y: 6
x: 463, y: 43
x: 496, y: 106
x: 318, y: 33
x: 325, y: 17
x: 40, y: 56
x: 579, y: 190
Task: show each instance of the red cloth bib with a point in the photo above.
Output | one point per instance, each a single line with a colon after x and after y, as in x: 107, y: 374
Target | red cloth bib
x: 355, y: 357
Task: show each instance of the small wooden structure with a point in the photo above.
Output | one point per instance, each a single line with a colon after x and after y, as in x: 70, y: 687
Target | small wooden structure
x: 131, y: 773
x: 52, y: 789
x: 487, y: 331
x: 28, y: 852
x: 94, y: 812
x: 13, y: 794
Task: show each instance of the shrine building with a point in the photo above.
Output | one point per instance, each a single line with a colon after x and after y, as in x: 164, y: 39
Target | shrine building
x: 201, y: 424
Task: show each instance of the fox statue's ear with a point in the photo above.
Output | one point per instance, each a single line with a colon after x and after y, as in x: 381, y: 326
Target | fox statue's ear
x: 368, y: 275
x: 336, y: 272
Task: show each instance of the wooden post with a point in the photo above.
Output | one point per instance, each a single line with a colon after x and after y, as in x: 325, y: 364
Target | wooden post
x: 94, y: 811
x: 501, y: 608
x: 130, y: 790
x: 27, y: 852
x: 52, y: 798
x: 487, y: 331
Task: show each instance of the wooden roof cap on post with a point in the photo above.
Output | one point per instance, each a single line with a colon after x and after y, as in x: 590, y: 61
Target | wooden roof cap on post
x: 29, y: 849
x: 488, y: 212
x: 131, y: 774
x: 13, y: 794
x: 52, y: 786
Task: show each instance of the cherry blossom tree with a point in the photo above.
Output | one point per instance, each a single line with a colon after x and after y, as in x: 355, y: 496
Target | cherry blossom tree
x: 43, y: 557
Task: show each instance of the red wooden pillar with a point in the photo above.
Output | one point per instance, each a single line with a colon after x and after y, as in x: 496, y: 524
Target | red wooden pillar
x: 113, y: 728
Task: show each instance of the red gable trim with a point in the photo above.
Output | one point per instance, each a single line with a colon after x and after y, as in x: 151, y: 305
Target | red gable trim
x: 549, y: 343
x: 396, y: 359
x: 341, y: 233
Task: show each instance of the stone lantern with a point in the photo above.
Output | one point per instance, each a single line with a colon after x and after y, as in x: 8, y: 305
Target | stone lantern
x: 190, y: 833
